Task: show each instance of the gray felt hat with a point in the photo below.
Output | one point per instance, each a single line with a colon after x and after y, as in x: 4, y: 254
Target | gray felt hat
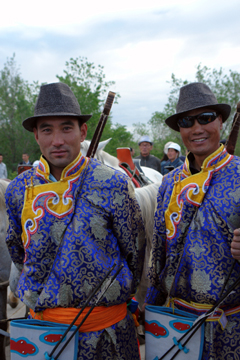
x: 56, y: 99
x: 196, y: 96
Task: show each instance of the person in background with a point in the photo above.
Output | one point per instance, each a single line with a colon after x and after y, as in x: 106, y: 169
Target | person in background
x: 86, y: 219
x: 25, y: 160
x: 196, y: 231
x: 173, y: 161
x: 3, y: 168
x: 165, y: 157
x: 148, y: 160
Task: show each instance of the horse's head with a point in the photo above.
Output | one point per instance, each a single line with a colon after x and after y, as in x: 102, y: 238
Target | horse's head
x: 100, y: 154
x: 86, y: 143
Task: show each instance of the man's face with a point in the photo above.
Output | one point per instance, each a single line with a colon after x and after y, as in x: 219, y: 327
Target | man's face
x: 25, y: 157
x: 59, y: 139
x: 1, y: 158
x: 202, y: 140
x: 145, y: 148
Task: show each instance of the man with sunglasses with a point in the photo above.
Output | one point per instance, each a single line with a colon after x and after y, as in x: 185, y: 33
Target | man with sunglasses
x: 197, y: 212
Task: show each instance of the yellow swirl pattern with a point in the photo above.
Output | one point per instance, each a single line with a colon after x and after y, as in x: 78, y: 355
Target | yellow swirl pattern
x: 52, y: 197
x: 192, y: 187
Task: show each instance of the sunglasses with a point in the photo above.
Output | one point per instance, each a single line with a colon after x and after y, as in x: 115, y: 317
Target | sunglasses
x: 203, y: 119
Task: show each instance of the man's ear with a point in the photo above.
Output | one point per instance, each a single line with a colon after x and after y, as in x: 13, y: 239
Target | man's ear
x: 35, y: 134
x: 83, y: 129
x: 221, y: 123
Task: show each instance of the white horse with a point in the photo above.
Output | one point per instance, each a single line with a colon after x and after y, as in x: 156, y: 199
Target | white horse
x: 5, y: 265
x: 152, y: 175
x: 5, y: 257
x: 147, y: 199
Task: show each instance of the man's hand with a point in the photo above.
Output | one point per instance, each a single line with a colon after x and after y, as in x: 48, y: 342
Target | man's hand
x: 235, y: 245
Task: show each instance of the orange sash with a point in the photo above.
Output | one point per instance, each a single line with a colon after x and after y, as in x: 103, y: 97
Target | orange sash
x: 100, y: 318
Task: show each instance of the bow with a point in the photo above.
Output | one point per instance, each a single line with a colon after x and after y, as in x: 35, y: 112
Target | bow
x: 232, y: 139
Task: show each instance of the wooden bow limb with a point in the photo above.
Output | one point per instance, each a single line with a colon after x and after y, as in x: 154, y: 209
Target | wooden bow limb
x: 101, y: 124
x: 232, y: 139
x: 88, y: 313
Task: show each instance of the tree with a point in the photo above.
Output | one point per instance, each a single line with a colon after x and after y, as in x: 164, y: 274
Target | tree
x: 226, y: 88
x: 120, y: 138
x: 17, y: 99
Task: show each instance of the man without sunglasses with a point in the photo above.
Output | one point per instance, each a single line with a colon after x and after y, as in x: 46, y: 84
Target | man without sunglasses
x: 71, y: 219
x: 194, y: 247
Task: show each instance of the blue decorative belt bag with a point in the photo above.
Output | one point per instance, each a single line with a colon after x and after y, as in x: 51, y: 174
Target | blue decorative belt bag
x: 164, y: 327
x: 35, y: 339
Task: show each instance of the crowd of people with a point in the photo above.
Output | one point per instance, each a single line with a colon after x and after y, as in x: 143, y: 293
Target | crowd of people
x: 172, y: 156
x: 90, y: 220
x: 23, y: 165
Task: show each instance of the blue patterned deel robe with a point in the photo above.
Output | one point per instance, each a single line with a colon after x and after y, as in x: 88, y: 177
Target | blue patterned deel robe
x: 66, y: 235
x: 191, y: 245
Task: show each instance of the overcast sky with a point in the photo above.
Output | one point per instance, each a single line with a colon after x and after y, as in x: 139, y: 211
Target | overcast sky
x: 139, y: 43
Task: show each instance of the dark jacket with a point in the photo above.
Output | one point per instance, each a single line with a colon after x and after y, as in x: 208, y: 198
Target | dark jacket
x: 177, y: 162
x: 150, y: 161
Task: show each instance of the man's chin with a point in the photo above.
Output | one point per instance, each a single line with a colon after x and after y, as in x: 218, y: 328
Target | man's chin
x: 59, y: 163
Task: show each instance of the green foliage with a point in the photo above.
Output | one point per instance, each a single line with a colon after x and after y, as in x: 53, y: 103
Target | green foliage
x: 141, y: 129
x: 17, y: 99
x: 12, y: 175
x: 226, y: 88
x: 120, y: 138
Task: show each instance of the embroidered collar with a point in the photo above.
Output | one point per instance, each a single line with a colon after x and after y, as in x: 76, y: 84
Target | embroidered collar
x: 71, y: 170
x: 51, y: 199
x: 192, y: 189
x: 211, y: 161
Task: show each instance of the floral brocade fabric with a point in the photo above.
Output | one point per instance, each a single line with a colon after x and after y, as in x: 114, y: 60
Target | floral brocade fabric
x: 194, y: 223
x: 66, y: 235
